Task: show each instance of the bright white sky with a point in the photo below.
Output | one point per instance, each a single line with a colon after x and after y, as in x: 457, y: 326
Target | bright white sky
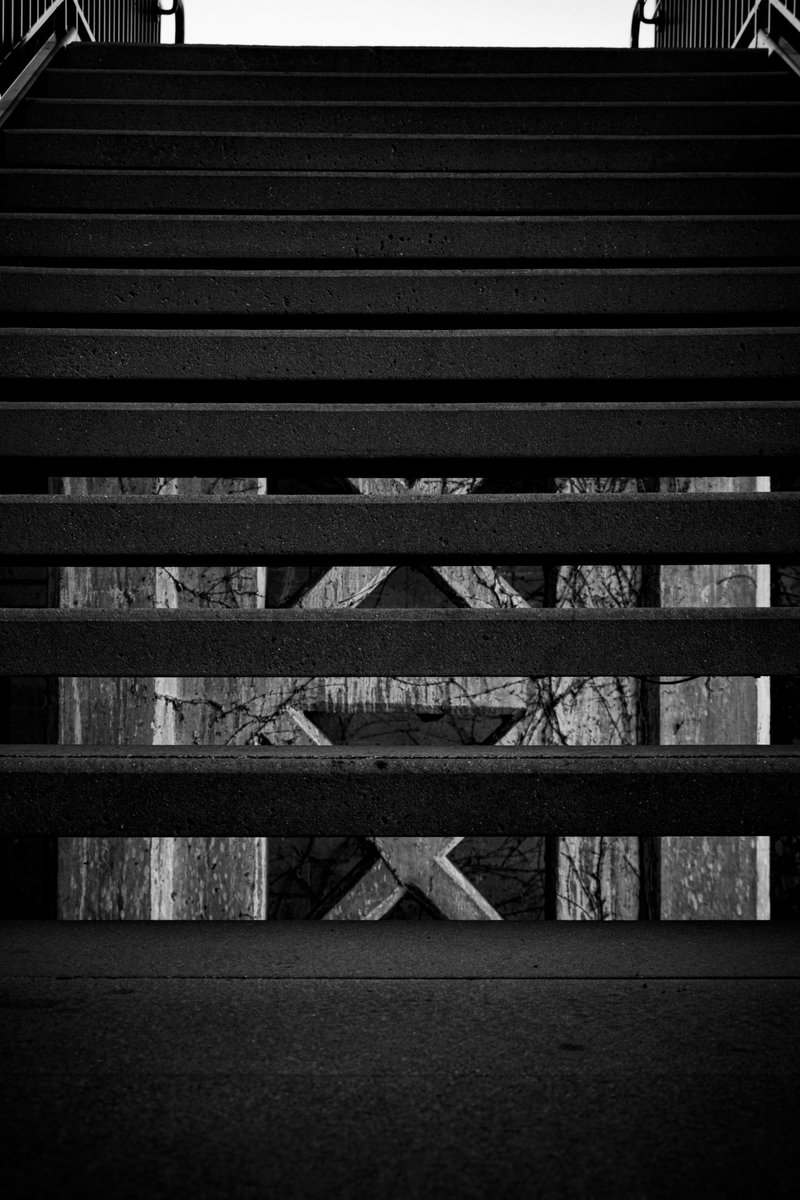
x: 411, y: 22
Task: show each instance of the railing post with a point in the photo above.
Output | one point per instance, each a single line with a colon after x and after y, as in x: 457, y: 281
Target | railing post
x: 175, y: 10
x: 640, y: 18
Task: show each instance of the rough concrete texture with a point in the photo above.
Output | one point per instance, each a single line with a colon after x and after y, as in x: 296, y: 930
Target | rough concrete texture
x: 405, y: 354
x: 320, y: 237
x: 402, y: 151
x: 527, y: 60
x: 114, y: 189
x: 179, y: 292
x: 270, y: 530
x: 423, y: 641
x: 624, y: 436
x: 240, y: 1083
x: 531, y: 118
x: 171, y: 791
x: 609, y: 86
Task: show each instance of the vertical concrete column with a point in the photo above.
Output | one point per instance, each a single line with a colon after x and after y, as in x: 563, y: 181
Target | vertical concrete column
x: 708, y: 878
x: 105, y: 878
x: 596, y: 878
x: 161, y: 878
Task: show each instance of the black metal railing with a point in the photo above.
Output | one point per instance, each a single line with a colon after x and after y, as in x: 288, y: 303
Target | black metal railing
x: 701, y: 24
x: 26, y: 26
x: 122, y: 20
x: 711, y: 24
x: 641, y: 16
x: 176, y: 10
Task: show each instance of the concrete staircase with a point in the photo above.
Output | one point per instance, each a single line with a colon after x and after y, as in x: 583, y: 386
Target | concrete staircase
x: 387, y: 215
x: 206, y: 212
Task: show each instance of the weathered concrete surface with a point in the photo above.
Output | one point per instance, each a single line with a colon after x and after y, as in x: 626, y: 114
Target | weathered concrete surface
x: 484, y: 790
x: 105, y: 877
x: 218, y: 84
x: 206, y: 1086
x: 597, y: 876
x: 226, y: 236
x: 402, y: 642
x: 520, y: 117
x: 197, y: 877
x: 407, y: 529
x: 748, y: 352
x: 403, y: 152
x: 401, y: 439
x: 220, y: 877
x: 713, y: 878
x: 397, y: 950
x: 527, y: 60
x: 163, y: 291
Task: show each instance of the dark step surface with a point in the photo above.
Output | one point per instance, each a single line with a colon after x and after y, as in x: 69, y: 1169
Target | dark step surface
x: 433, y: 354
x: 401, y: 152
x: 294, y: 950
x: 423, y: 59
x: 313, y: 1059
x: 406, y: 529
x: 82, y: 236
x: 182, y: 791
x: 277, y: 85
x: 419, y: 199
x: 640, y: 432
x: 411, y: 117
x: 294, y: 642
x: 43, y: 190
x: 282, y: 293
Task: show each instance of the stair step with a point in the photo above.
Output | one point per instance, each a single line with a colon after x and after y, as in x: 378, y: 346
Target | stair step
x: 284, y: 293
x: 554, y: 215
x: 603, y: 87
x: 401, y: 152
x: 415, y: 59
x: 410, y: 117
x: 43, y: 190
x: 60, y: 235
x: 525, y: 354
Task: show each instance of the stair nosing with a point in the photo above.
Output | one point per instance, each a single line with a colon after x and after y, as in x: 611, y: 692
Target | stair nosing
x: 173, y: 134
x: 329, y: 173
x: 770, y: 73
x: 406, y: 272
x: 385, y: 218
x: 172, y: 102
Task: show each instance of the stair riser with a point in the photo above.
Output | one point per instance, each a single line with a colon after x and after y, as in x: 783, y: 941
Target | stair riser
x: 416, y: 59
x: 533, y: 119
x: 244, y: 86
x: 516, y: 238
x: 284, y: 294
x: 120, y: 191
x: 32, y: 148
x: 559, y: 355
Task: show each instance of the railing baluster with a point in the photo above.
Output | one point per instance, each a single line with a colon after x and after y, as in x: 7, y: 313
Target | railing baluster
x: 26, y: 25
x: 716, y: 24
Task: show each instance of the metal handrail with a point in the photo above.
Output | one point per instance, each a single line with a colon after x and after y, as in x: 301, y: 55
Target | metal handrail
x: 176, y: 11
x: 640, y: 18
x: 28, y: 26
x: 773, y: 25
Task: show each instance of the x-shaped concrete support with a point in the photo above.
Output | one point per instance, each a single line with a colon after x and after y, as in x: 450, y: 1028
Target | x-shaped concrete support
x: 416, y: 864
x: 419, y: 865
